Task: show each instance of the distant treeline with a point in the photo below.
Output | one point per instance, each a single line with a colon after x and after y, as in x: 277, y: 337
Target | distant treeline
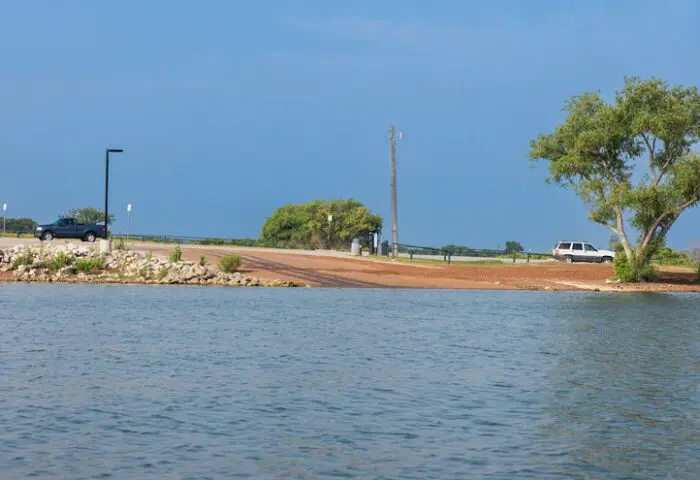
x: 239, y: 242
x: 20, y: 225
x: 462, y: 251
x: 454, y: 250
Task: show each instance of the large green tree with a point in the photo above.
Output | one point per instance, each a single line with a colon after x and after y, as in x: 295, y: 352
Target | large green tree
x: 306, y: 225
x: 630, y: 160
x: 89, y: 215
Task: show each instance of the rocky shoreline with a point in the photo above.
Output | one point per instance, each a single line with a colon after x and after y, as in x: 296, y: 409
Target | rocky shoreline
x: 73, y: 263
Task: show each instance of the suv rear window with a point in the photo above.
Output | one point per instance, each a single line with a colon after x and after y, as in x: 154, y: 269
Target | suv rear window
x: 564, y: 246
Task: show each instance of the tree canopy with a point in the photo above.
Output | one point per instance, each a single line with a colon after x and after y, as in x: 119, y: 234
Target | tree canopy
x: 89, y: 215
x: 630, y: 160
x: 513, y: 247
x: 307, y: 226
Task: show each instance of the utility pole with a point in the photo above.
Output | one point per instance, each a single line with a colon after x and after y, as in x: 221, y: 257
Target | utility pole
x: 394, y: 207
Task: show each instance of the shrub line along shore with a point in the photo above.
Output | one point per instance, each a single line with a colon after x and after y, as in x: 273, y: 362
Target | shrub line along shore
x: 73, y: 262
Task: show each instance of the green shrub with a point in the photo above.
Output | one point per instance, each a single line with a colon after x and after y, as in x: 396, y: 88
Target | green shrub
x: 622, y: 268
x: 162, y: 273
x: 144, y: 272
x: 90, y: 265
x: 668, y: 256
x: 202, y: 261
x: 229, y: 263
x: 149, y: 255
x: 27, y: 258
x: 631, y: 272
x: 59, y: 261
x: 648, y: 274
x: 176, y: 255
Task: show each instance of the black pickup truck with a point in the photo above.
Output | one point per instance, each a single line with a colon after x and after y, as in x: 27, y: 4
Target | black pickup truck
x: 70, y: 228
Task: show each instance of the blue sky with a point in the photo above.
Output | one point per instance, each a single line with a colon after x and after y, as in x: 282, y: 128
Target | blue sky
x: 227, y: 110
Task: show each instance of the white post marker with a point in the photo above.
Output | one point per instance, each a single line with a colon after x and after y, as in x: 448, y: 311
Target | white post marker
x: 128, y: 232
x: 330, y: 219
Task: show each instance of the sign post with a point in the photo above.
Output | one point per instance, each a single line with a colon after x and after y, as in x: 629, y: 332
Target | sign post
x: 128, y: 232
x: 330, y: 219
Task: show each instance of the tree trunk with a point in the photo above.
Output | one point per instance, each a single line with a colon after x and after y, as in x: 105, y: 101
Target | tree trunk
x: 622, y: 234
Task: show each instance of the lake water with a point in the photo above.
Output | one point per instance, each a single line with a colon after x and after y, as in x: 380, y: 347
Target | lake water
x: 161, y: 383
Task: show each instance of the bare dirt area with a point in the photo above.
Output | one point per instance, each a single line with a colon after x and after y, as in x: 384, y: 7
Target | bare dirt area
x: 337, y: 270
x: 349, y: 272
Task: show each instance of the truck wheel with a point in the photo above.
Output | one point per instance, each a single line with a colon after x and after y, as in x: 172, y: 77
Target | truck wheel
x: 569, y: 259
x: 606, y: 260
x: 90, y: 237
x: 47, y: 236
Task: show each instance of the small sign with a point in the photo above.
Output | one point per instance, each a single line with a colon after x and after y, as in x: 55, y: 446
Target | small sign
x: 4, y: 207
x: 330, y: 218
x: 128, y: 208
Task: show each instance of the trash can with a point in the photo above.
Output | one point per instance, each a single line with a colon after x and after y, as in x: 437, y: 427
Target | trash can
x: 384, y: 248
x: 356, y: 248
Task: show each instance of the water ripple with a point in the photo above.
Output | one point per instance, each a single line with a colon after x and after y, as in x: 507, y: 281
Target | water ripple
x: 152, y: 383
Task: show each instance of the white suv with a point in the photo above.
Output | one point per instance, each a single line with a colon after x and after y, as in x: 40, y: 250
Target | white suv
x: 581, y: 252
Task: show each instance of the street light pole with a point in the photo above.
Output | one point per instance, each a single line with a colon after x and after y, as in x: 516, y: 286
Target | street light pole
x: 4, y: 209
x: 107, y: 152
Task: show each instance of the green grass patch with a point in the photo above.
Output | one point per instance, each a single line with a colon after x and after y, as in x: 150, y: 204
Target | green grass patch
x: 440, y: 261
x: 90, y: 265
x: 523, y: 256
x: 486, y: 262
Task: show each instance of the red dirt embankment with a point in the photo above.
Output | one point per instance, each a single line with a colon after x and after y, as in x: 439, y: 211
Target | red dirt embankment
x: 343, y: 272
x: 324, y: 269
